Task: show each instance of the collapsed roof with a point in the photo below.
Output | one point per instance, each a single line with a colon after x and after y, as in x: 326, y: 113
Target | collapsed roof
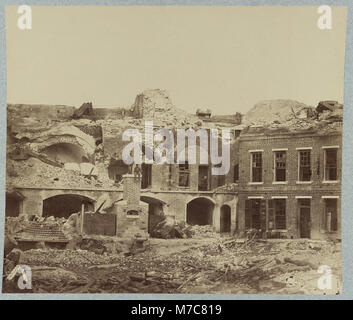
x: 289, y: 116
x: 268, y: 111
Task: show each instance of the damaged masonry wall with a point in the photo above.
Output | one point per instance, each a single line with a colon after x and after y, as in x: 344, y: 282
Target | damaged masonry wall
x: 64, y: 154
x: 290, y: 170
x: 78, y: 154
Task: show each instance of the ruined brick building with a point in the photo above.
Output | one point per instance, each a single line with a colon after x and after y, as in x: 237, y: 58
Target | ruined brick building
x: 284, y: 177
x: 289, y: 183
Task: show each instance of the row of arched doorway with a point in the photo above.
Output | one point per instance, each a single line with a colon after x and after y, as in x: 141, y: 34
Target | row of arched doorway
x: 199, y: 211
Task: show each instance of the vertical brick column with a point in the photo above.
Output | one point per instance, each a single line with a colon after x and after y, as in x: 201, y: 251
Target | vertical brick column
x: 132, y: 190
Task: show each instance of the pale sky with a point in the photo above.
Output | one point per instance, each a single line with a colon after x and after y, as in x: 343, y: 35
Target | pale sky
x: 222, y: 58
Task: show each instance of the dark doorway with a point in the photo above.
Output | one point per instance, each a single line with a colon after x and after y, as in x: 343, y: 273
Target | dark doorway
x: 304, y: 218
x: 225, y: 219
x: 277, y: 214
x: 13, y: 204
x: 255, y: 214
x: 204, y: 184
x: 66, y: 204
x: 146, y: 181
x: 331, y: 215
x: 199, y: 212
x: 155, y: 211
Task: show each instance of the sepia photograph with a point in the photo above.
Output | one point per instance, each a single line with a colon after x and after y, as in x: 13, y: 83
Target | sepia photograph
x: 174, y: 149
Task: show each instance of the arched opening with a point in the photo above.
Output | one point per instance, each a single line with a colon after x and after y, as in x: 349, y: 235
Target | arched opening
x: 155, y: 211
x: 199, y: 212
x: 65, y: 153
x: 64, y: 205
x: 225, y: 218
x: 116, y: 170
x: 13, y: 204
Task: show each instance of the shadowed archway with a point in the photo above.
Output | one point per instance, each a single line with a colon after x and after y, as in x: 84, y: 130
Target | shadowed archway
x: 65, y: 153
x: 64, y: 205
x: 155, y: 211
x: 199, y: 212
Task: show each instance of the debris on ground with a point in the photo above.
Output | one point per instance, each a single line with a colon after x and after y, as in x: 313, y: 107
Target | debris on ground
x: 170, y: 228
x: 205, y: 231
x: 205, y: 265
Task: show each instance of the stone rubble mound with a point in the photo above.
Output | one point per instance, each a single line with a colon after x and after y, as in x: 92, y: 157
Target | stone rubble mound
x: 278, y: 116
x: 209, y: 265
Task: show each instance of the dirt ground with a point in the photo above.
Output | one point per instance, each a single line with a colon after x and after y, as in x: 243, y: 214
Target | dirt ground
x: 204, y: 265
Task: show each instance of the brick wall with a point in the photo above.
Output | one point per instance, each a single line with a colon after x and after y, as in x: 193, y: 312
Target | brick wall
x: 268, y: 143
x: 317, y: 189
x: 132, y: 189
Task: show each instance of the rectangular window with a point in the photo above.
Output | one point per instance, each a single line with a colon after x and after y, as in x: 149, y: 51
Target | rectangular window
x: 204, y: 178
x: 184, y: 174
x: 253, y: 213
x: 277, y: 214
x: 331, y: 164
x: 331, y: 215
x: 256, y: 167
x: 236, y: 173
x: 304, y: 165
x: 280, y: 165
x: 221, y: 179
x: 304, y: 207
x: 146, y: 181
x: 280, y: 214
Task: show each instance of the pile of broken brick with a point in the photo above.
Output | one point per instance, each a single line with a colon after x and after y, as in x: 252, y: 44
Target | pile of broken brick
x: 246, y: 265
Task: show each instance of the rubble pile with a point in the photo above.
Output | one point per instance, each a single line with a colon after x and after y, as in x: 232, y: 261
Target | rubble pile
x: 293, y: 116
x: 31, y: 163
x: 36, y: 229
x: 265, y: 112
x: 156, y: 105
x: 170, y: 228
x: 205, y: 231
x: 19, y: 224
x: 209, y: 265
x: 67, y: 258
x: 33, y: 172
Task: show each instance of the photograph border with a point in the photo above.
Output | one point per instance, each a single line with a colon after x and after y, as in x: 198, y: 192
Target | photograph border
x: 347, y: 163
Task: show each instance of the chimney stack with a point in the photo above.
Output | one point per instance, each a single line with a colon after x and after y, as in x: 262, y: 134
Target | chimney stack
x: 132, y: 191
